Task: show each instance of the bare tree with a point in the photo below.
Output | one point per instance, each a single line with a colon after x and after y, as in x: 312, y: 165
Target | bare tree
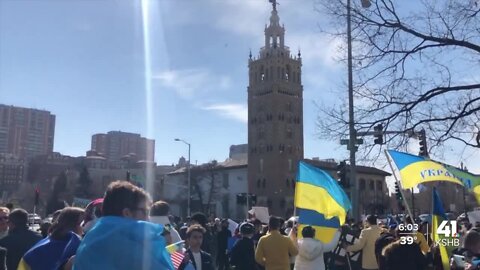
x: 205, y: 175
x: 416, y: 65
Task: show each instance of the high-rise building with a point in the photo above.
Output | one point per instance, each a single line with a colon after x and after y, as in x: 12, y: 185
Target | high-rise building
x: 275, y: 120
x: 25, y: 132
x: 116, y: 145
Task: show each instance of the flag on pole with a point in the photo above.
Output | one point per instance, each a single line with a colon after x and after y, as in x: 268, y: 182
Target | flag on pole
x: 177, y: 253
x: 438, y: 216
x: 320, y: 202
x: 416, y: 170
x: 37, y: 196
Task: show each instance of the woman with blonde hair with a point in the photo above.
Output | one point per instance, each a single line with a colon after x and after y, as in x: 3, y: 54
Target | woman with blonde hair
x: 54, y: 251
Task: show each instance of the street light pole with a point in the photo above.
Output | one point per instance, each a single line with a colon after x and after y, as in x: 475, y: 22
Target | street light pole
x: 188, y: 176
x: 351, y: 119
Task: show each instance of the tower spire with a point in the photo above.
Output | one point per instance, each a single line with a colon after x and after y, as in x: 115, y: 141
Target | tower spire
x: 274, y: 4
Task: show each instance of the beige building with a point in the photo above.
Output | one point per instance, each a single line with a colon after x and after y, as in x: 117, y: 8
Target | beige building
x: 25, y: 132
x: 275, y: 120
x: 116, y: 145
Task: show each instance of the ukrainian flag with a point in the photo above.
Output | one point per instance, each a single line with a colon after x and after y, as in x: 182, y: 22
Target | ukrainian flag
x: 437, y: 218
x: 416, y: 170
x: 320, y: 202
x: 470, y: 181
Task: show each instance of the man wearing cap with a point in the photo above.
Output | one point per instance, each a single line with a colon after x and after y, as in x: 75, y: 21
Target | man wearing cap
x: 243, y: 252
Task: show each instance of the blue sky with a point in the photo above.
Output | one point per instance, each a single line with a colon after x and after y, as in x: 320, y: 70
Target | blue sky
x: 83, y: 60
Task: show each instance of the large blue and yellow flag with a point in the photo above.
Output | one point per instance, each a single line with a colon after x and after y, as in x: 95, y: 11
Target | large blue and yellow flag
x: 320, y: 202
x: 438, y: 216
x: 416, y: 170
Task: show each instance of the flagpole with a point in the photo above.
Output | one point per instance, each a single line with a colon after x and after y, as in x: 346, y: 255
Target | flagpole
x: 400, y: 187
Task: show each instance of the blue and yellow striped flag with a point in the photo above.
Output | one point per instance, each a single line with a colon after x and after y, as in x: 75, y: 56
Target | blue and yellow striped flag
x: 416, y: 170
x: 438, y: 216
x: 320, y: 202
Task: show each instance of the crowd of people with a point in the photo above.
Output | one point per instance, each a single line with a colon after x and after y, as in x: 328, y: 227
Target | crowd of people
x: 125, y: 230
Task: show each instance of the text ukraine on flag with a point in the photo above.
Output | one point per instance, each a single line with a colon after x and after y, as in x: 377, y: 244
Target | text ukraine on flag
x: 320, y: 202
x: 416, y: 170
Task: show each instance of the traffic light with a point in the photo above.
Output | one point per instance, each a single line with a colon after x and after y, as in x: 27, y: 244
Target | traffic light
x: 241, y: 198
x: 342, y: 173
x: 378, y: 133
x: 253, y: 199
x: 398, y: 194
x: 423, y: 143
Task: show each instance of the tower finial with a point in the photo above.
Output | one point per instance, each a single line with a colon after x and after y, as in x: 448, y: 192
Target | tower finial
x: 274, y: 4
x: 250, y: 54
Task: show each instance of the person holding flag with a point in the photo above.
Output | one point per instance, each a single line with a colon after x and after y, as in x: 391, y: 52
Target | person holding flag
x: 122, y: 238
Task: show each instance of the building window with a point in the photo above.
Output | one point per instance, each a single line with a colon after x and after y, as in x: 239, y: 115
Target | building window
x: 269, y: 203
x: 362, y: 184
x: 287, y: 183
x: 379, y: 185
x: 289, y: 133
x: 225, y: 180
x: 264, y: 184
x: 258, y: 183
x: 290, y: 165
x: 371, y: 185
x: 261, y: 165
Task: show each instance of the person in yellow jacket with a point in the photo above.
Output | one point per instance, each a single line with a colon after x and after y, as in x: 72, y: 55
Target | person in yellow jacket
x: 274, y: 250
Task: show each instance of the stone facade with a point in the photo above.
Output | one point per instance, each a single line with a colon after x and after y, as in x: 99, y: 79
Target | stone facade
x: 275, y: 120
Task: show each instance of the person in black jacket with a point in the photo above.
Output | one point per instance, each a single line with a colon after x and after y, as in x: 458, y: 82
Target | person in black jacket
x: 3, y: 258
x: 243, y: 252
x: 222, y: 244
x: 19, y: 239
x: 400, y: 256
x: 194, y: 254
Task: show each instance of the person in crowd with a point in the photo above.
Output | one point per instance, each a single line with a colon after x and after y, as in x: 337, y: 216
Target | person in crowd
x: 274, y: 249
x: 366, y: 243
x: 207, y: 244
x: 54, y: 251
x: 310, y: 250
x: 4, y: 212
x: 386, y: 238
x: 45, y: 228
x: 419, y: 238
x: 242, y: 256
x: 222, y: 243
x: 184, y: 228
x: 19, y: 239
x: 470, y: 250
x: 195, y: 256
x: 93, y: 212
x: 258, y: 231
x: 122, y: 239
x: 159, y: 215
x: 3, y: 258
x: 404, y: 256
x: 289, y: 224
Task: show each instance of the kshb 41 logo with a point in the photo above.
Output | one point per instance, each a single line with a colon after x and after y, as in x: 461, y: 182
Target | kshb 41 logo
x: 448, y: 229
